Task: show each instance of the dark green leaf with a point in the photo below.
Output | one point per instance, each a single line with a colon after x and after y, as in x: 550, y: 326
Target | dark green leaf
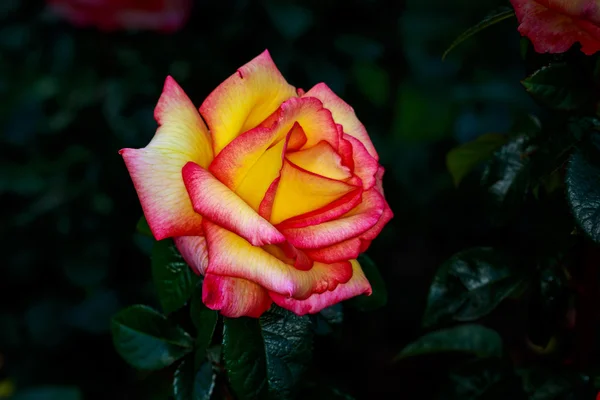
x: 147, y: 340
x: 143, y: 227
x: 483, y: 379
x: 492, y: 19
x: 559, y: 86
x: 205, y: 321
x: 267, y: 357
x: 189, y: 384
x: 469, y: 338
x: 49, y: 393
x: 173, y: 278
x: 470, y: 285
x: 373, y: 82
x: 379, y: 296
x: 583, y: 193
x: 542, y: 383
x: 462, y: 159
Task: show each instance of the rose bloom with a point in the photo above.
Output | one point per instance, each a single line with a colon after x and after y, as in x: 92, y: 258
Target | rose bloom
x: 273, y: 201
x: 553, y: 26
x: 108, y: 15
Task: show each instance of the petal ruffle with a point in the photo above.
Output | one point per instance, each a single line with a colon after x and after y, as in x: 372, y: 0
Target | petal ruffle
x: 231, y: 255
x: 245, y: 99
x: 156, y: 169
x: 365, y: 166
x: 300, y: 192
x: 234, y: 297
x: 352, y: 224
x: 357, y: 285
x: 553, y: 26
x: 218, y: 203
x: 343, y: 114
x: 321, y: 159
x: 194, y: 251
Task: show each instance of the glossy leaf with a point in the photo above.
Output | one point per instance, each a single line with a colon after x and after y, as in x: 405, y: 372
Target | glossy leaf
x: 492, y: 19
x: 583, y: 193
x: 267, y: 357
x: 462, y: 159
x: 379, y: 296
x: 147, y: 340
x: 469, y: 338
x: 470, y: 285
x: 189, y: 384
x: 173, y: 278
x: 559, y: 86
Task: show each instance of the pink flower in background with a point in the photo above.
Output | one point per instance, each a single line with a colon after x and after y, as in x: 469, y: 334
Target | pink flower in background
x: 553, y: 26
x: 159, y: 15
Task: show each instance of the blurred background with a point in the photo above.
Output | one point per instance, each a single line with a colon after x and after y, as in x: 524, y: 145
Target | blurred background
x: 72, y: 94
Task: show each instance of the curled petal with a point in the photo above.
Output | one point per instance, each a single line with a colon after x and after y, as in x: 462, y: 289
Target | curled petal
x: 300, y: 191
x: 343, y: 114
x: 321, y: 159
x: 234, y: 297
x: 245, y: 99
x: 218, y: 203
x: 346, y: 250
x: 156, y: 169
x: 365, y: 166
x: 555, y: 25
x: 231, y: 255
x: 194, y: 251
x: 357, y: 285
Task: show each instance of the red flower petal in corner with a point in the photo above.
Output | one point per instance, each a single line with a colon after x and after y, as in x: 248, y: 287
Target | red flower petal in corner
x: 109, y: 15
x: 553, y: 26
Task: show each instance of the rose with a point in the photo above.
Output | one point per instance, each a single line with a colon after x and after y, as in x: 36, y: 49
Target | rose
x: 273, y: 202
x: 161, y: 15
x: 555, y: 25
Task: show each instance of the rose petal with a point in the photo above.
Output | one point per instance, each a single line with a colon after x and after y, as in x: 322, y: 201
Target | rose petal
x: 365, y: 166
x: 354, y: 223
x: 194, y: 251
x: 554, y: 26
x: 346, y: 250
x: 245, y: 99
x: 300, y: 191
x: 218, y: 203
x: 234, y: 297
x: 343, y: 114
x: 356, y: 286
x: 231, y: 255
x: 321, y: 159
x: 156, y: 169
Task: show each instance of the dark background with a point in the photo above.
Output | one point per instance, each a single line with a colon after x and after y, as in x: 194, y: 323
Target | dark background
x: 70, y: 98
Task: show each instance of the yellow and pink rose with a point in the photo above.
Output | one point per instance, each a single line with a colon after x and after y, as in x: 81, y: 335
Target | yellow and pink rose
x: 269, y: 192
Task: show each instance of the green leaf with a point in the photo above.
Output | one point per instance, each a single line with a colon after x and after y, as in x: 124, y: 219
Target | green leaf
x: 492, y: 19
x: 49, y: 393
x: 483, y: 379
x: 373, y: 82
x: 143, y: 227
x: 462, y: 159
x: 559, y: 86
x: 583, y: 193
x: 189, y: 384
x: 205, y: 321
x: 543, y: 383
x: 173, y: 278
x: 267, y: 357
x: 470, y: 285
x: 379, y: 296
x: 147, y: 340
x: 468, y: 338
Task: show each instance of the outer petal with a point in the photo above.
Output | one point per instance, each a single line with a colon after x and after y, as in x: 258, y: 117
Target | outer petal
x: 300, y: 191
x: 231, y: 255
x: 321, y: 159
x: 356, y: 286
x: 352, y: 224
x: 156, y: 169
x: 194, y: 251
x: 555, y: 25
x: 234, y: 297
x: 365, y: 166
x: 343, y: 114
x: 346, y: 250
x: 218, y: 203
x: 245, y: 99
